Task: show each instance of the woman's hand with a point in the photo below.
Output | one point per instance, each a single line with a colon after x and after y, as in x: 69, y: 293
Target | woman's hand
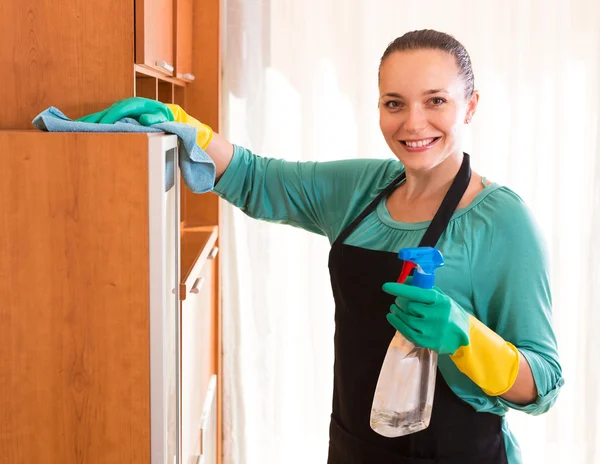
x: 431, y: 319
x: 428, y: 318
x: 149, y: 112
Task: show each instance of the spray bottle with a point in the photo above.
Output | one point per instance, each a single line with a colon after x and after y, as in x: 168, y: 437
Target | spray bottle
x: 404, y: 394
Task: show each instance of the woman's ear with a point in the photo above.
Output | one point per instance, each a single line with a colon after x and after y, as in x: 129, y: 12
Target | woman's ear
x: 472, y: 106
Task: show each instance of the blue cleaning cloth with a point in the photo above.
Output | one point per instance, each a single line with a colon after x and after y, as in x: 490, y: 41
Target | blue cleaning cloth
x: 197, y: 169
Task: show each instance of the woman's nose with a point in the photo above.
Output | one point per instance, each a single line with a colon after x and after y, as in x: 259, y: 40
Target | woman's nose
x: 416, y: 120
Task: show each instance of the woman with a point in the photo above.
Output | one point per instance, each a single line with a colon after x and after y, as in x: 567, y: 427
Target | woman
x: 489, y: 318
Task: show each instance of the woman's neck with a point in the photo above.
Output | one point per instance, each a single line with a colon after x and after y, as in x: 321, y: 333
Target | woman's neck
x: 430, y: 184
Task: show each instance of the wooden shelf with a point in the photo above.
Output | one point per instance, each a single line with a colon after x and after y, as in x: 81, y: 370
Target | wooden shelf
x: 141, y: 70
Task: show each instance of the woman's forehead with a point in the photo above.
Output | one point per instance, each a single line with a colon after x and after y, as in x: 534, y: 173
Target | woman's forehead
x: 419, y: 71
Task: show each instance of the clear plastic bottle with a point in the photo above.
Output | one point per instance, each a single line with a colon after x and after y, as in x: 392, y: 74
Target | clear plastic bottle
x: 404, y: 394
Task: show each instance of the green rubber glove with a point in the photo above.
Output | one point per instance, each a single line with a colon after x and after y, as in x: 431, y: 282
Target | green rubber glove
x: 428, y: 318
x: 147, y: 112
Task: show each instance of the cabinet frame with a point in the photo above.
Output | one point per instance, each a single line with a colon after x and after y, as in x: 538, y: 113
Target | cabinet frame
x: 157, y: 177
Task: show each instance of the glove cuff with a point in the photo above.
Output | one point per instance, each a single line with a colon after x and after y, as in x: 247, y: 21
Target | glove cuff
x: 204, y: 136
x: 488, y: 360
x: 205, y: 133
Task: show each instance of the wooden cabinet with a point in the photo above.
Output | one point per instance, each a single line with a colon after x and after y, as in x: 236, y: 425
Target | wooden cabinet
x: 154, y: 35
x: 163, y: 37
x: 82, y: 57
x: 76, y: 56
x: 89, y: 272
x: 75, y: 281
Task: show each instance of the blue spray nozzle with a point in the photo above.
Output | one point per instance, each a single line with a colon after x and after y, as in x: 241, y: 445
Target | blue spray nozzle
x: 426, y: 260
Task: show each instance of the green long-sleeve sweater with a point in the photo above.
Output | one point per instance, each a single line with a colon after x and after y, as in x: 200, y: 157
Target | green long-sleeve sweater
x: 496, y: 263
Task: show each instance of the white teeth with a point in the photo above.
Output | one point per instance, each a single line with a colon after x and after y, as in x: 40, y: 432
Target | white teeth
x: 420, y: 143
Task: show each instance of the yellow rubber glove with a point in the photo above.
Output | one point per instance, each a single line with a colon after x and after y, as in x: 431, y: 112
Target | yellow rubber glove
x: 205, y: 133
x: 488, y: 360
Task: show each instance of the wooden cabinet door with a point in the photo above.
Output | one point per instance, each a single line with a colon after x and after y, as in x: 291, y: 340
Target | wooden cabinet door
x: 197, y: 356
x: 75, y: 356
x: 154, y: 34
x: 183, y: 40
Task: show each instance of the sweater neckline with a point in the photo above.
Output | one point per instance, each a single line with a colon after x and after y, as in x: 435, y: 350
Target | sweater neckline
x: 385, y: 216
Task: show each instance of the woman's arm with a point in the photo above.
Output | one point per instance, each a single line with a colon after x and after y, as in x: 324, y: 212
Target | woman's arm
x: 221, y: 151
x: 314, y: 196
x: 512, y: 296
x: 523, y: 390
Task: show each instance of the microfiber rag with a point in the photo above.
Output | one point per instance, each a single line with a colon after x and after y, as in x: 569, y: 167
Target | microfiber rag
x: 197, y: 169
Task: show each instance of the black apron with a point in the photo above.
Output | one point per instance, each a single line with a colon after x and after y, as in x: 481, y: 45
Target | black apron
x: 457, y: 434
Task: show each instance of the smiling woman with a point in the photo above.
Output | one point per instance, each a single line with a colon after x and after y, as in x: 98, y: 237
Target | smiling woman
x: 489, y: 319
x: 535, y: 130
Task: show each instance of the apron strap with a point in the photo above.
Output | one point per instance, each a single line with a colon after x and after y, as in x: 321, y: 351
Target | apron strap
x: 449, y: 204
x: 442, y: 216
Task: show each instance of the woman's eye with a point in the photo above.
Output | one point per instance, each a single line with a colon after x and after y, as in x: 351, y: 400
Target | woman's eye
x: 393, y: 104
x: 437, y: 101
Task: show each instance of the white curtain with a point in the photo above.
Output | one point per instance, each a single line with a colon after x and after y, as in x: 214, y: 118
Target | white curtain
x: 300, y: 82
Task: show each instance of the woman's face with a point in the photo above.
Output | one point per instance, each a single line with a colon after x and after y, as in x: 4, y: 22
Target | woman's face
x: 422, y: 107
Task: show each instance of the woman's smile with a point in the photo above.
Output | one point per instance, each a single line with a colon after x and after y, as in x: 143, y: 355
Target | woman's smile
x: 417, y: 145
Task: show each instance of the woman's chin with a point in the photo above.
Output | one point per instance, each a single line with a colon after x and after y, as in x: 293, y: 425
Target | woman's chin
x: 420, y: 161
x: 417, y: 162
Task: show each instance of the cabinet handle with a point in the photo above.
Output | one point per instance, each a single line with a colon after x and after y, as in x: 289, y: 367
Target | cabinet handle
x: 213, y: 253
x: 164, y: 65
x: 197, y: 285
x: 189, y: 76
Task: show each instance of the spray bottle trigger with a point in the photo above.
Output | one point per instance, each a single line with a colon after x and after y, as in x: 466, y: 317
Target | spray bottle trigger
x: 407, y: 267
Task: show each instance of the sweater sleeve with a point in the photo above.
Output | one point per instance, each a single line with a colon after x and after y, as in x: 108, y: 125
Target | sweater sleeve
x: 316, y: 196
x: 511, y: 290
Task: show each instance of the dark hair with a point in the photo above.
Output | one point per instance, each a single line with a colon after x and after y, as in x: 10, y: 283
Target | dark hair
x: 434, y: 40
